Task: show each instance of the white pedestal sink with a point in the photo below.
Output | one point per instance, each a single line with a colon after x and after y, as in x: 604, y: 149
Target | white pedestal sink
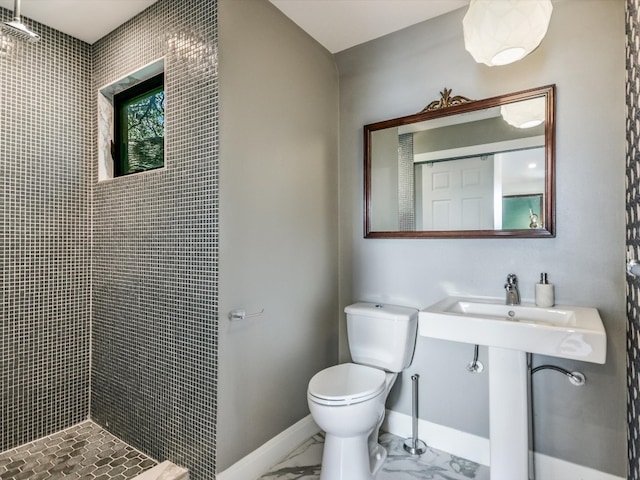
x: 510, y: 332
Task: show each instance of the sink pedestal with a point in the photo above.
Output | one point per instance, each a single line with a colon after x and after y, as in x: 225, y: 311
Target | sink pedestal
x: 511, y: 332
x: 508, y: 414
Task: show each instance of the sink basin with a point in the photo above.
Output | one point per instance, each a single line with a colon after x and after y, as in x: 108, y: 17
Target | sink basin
x: 509, y: 332
x: 561, y: 331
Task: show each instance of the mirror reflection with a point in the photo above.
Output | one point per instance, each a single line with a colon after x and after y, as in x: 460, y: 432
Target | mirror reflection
x: 480, y: 168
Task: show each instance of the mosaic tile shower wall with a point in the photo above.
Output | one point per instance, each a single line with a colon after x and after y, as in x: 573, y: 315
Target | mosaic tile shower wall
x: 633, y: 235
x: 406, y: 182
x: 45, y: 248
x: 155, y: 244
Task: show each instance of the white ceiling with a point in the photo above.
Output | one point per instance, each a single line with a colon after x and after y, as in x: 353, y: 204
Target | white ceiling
x: 88, y: 20
x: 336, y: 24
x: 341, y: 24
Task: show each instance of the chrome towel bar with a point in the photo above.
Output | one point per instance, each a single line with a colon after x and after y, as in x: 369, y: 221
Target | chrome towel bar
x: 242, y: 314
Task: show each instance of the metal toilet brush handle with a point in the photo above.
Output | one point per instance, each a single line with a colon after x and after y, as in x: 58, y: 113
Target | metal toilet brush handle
x: 414, y: 445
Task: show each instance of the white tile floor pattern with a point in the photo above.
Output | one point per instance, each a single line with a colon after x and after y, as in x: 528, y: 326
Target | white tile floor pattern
x: 304, y: 463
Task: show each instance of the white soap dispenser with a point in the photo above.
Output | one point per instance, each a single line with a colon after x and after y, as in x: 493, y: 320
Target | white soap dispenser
x: 544, y: 292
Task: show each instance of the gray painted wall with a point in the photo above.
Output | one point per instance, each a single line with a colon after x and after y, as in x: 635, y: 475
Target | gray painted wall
x: 278, y: 222
x: 384, y: 180
x: 583, y: 54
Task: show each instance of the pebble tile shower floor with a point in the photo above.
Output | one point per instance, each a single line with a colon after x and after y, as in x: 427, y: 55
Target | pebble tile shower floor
x: 85, y: 451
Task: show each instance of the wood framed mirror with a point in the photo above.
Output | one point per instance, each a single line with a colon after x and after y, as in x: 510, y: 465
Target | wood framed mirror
x: 464, y: 169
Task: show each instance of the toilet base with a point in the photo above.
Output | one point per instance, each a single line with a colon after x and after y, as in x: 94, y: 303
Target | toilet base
x: 351, y: 448
x: 350, y: 458
x: 377, y: 458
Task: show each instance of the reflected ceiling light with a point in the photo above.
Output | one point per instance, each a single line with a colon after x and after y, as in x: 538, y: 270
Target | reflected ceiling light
x: 498, y: 32
x: 527, y: 114
x: 532, y: 166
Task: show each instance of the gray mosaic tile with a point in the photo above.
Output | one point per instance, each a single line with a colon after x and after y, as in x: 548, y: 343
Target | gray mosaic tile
x: 45, y: 234
x: 633, y: 236
x: 85, y: 451
x: 155, y: 244
x: 154, y: 365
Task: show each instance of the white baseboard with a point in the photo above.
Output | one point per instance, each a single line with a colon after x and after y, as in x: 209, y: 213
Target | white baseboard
x: 550, y: 468
x: 450, y: 440
x: 260, y: 460
x: 477, y: 449
x: 455, y: 442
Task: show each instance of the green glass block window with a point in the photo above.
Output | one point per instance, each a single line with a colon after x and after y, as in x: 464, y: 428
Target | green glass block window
x: 139, y: 127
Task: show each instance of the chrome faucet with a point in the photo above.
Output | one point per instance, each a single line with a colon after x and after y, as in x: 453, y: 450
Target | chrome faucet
x: 513, y: 294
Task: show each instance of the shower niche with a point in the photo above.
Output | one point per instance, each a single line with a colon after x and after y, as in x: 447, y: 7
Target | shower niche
x: 109, y: 148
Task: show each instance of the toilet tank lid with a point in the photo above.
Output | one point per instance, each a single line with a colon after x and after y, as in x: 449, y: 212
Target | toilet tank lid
x: 381, y: 310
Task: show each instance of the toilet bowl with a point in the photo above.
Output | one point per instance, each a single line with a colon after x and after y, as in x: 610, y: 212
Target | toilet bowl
x: 347, y: 401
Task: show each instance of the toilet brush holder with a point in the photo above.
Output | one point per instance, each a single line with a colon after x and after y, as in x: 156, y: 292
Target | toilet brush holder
x: 414, y: 445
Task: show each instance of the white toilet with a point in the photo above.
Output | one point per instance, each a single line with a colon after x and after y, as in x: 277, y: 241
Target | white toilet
x: 348, y: 401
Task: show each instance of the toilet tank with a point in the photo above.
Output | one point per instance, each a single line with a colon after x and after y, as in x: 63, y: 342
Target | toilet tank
x: 382, y: 336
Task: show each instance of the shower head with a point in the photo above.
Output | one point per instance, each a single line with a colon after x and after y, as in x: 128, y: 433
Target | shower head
x: 17, y: 29
x: 20, y: 31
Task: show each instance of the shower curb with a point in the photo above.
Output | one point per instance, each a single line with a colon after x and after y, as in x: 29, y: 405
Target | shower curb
x: 164, y: 471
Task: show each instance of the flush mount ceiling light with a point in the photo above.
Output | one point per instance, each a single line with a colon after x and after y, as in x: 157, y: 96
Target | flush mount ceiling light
x: 527, y: 114
x: 498, y: 32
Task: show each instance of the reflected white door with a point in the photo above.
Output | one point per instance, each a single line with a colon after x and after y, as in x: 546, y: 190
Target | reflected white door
x: 458, y: 195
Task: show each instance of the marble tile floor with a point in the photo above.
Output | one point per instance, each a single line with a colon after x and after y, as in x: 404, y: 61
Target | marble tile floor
x: 85, y: 451
x: 304, y: 463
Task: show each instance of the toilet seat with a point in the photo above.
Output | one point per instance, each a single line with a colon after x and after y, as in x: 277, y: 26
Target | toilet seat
x: 346, y: 384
